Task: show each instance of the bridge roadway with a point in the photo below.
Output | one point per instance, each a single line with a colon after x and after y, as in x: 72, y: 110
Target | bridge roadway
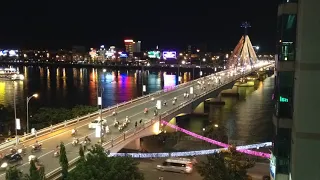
x: 134, y: 111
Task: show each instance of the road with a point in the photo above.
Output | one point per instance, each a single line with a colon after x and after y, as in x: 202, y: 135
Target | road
x: 134, y: 111
x: 148, y: 168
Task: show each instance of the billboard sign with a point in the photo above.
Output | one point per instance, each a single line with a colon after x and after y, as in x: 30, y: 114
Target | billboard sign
x: 169, y: 54
x: 154, y: 54
x: 123, y: 55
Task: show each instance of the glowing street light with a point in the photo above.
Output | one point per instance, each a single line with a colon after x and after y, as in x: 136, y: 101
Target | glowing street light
x: 28, y: 99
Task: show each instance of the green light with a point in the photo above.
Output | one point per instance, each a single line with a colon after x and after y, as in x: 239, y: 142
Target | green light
x: 282, y: 99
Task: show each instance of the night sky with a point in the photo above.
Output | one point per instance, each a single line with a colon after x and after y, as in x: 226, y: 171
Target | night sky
x: 168, y: 24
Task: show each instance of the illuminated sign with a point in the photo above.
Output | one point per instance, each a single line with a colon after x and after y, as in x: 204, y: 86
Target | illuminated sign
x: 282, y: 99
x: 154, y: 54
x: 123, y: 55
x: 128, y: 41
x: 13, y: 53
x: 169, y: 54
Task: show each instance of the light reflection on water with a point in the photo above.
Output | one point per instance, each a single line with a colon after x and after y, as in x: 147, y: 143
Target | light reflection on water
x: 247, y: 119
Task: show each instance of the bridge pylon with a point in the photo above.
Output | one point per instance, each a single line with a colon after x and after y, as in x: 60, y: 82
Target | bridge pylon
x: 244, y: 53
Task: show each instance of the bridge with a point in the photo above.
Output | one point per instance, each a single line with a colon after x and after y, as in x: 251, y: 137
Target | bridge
x: 200, y: 90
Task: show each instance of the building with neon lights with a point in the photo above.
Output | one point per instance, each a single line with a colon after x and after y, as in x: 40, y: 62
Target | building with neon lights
x: 283, y: 95
x: 132, y: 47
x: 297, y: 86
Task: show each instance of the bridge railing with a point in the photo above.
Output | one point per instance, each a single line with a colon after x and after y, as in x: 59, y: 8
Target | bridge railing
x: 55, y: 174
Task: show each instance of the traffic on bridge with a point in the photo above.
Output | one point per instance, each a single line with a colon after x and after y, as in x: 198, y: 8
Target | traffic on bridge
x: 117, y: 120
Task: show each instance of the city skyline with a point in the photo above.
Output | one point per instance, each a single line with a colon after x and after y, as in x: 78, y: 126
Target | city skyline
x: 175, y: 26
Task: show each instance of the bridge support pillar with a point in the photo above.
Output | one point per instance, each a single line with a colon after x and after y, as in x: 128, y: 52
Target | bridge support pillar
x: 134, y: 145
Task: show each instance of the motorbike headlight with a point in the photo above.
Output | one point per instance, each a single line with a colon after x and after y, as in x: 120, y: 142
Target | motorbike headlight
x: 4, y: 165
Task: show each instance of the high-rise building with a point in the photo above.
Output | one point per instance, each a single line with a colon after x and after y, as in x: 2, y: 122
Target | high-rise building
x: 129, y: 46
x: 283, y: 95
x: 305, y: 143
x: 137, y: 47
x: 297, y: 141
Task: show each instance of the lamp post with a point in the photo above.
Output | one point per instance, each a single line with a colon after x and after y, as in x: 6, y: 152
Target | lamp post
x: 100, y: 103
x: 28, y: 99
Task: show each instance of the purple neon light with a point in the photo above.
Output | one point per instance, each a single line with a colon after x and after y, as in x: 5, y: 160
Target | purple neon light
x: 169, y: 54
x: 255, y: 153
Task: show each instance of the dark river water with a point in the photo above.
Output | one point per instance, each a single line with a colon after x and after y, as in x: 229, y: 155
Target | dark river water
x: 247, y: 118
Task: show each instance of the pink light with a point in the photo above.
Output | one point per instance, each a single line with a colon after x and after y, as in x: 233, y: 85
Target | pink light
x: 255, y: 153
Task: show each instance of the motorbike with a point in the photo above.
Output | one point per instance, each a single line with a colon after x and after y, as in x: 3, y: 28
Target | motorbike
x: 56, y: 153
x: 73, y: 133
x: 114, y: 113
x: 146, y: 111
x: 152, y: 99
x: 173, y: 102
x: 164, y: 104
x: 13, y: 151
x: 185, y: 95
x: 22, y: 151
x: 36, y: 148
x: 116, y: 123
x: 121, y: 127
x: 75, y: 142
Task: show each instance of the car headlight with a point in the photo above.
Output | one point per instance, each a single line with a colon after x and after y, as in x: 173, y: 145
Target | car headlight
x: 4, y: 165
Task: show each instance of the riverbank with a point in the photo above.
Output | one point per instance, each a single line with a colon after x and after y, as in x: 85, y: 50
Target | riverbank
x: 155, y: 67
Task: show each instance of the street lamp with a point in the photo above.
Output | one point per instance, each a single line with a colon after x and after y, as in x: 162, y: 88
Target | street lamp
x: 100, y: 103
x: 28, y: 99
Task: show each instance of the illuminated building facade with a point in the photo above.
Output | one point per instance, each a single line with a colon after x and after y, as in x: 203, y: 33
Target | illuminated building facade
x: 283, y: 95
x: 129, y: 46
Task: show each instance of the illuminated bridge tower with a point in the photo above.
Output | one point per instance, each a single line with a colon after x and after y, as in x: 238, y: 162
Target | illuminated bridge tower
x: 243, y: 54
x: 283, y: 94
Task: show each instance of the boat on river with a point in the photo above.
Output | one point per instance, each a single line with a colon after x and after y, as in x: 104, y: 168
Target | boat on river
x: 10, y: 74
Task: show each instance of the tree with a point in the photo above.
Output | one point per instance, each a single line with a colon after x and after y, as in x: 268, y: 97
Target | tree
x: 13, y: 174
x: 63, y: 160
x: 34, y: 173
x: 227, y: 165
x: 99, y: 166
x: 214, y: 168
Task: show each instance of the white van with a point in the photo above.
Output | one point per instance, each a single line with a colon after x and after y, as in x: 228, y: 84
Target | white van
x: 182, y: 165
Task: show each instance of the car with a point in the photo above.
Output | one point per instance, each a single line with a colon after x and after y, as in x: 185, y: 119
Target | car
x: 96, y: 123
x: 182, y: 165
x: 10, y: 160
